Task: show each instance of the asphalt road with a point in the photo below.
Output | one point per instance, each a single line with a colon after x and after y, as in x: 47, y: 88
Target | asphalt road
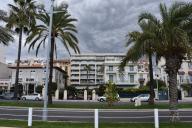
x: 87, y: 115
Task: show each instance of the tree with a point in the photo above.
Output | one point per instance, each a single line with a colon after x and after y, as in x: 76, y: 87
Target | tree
x: 111, y: 93
x: 88, y: 69
x: 172, y: 42
x: 161, y: 84
x: 38, y: 89
x: 62, y: 29
x: 21, y: 18
x: 101, y: 90
x: 71, y: 91
x: 141, y: 43
x: 5, y: 35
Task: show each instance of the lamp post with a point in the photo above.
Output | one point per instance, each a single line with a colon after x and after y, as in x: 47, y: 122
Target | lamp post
x: 47, y: 63
x: 64, y: 5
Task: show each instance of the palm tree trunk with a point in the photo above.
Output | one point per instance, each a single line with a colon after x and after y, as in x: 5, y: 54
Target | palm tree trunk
x: 152, y: 94
x: 172, y: 69
x: 87, y: 77
x: 51, y: 71
x: 18, y: 63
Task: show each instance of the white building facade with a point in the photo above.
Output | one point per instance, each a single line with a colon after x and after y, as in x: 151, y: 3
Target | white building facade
x: 34, y: 74
x: 104, y: 68
x: 5, y: 75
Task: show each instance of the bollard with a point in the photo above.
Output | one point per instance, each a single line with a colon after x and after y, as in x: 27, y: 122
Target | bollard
x: 30, y: 113
x: 96, y: 118
x: 156, y: 118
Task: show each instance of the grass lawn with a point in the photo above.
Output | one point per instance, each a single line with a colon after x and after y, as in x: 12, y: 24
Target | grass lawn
x: 23, y: 124
x: 91, y: 105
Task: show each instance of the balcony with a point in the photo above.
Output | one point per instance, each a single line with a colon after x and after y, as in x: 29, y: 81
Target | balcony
x: 87, y: 83
x: 132, y: 71
x: 74, y: 67
x: 84, y: 77
x: 74, y: 82
x: 126, y: 82
x: 111, y: 71
x: 85, y: 72
x: 74, y: 77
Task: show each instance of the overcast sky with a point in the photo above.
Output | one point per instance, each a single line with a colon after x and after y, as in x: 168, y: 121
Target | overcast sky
x: 102, y: 24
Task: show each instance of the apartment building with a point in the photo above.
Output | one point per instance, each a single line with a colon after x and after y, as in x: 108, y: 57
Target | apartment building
x: 5, y: 75
x: 66, y: 66
x: 33, y: 73
x: 82, y: 78
x: 134, y: 74
x: 104, y: 68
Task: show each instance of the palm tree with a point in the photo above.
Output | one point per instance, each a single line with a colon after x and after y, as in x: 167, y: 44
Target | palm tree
x: 141, y: 43
x: 5, y: 35
x: 62, y: 29
x: 88, y: 69
x: 173, y: 42
x: 21, y: 18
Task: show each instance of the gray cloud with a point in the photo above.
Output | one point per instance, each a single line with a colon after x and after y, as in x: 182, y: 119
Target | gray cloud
x: 102, y: 24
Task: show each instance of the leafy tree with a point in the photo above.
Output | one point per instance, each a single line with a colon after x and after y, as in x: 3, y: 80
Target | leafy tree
x: 88, y: 69
x: 173, y: 42
x: 71, y: 91
x: 5, y: 35
x: 188, y: 88
x: 101, y: 90
x: 38, y: 89
x: 21, y: 18
x: 141, y: 43
x: 111, y: 93
x: 53, y: 87
x: 62, y: 29
x: 161, y: 84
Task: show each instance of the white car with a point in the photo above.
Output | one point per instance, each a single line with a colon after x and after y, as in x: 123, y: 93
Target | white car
x: 103, y: 98
x: 142, y: 97
x: 32, y: 97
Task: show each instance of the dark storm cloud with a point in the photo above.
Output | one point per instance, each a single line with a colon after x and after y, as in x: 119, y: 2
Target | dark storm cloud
x: 102, y: 24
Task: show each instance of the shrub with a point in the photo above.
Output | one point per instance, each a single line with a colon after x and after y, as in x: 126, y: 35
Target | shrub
x: 111, y: 93
x: 101, y: 90
x: 39, y: 88
x: 161, y: 84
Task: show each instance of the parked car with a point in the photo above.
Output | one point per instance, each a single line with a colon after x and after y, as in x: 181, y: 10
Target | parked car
x: 143, y: 97
x: 32, y: 97
x: 103, y: 98
x: 8, y: 96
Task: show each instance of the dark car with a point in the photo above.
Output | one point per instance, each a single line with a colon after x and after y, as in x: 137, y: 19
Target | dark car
x: 9, y: 96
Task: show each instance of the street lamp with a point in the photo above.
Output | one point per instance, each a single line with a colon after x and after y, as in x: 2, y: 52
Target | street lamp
x: 64, y: 5
x: 47, y: 63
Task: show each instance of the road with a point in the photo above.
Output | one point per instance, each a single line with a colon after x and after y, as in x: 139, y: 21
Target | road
x: 87, y: 115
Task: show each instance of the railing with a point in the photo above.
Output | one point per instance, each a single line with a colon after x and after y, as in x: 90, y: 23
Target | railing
x: 95, y: 116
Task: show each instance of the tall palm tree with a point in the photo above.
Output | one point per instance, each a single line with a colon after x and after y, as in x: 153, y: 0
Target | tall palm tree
x: 88, y: 69
x: 5, y: 34
x: 173, y: 42
x: 21, y: 18
x: 62, y: 29
x: 141, y: 43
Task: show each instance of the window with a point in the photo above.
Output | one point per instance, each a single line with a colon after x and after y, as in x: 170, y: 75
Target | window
x: 110, y: 68
x: 32, y: 70
x: 121, y: 77
x: 141, y: 76
x: 131, y: 68
x: 131, y: 78
x: 111, y: 78
x: 181, y: 78
x: 190, y: 65
x: 190, y: 78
